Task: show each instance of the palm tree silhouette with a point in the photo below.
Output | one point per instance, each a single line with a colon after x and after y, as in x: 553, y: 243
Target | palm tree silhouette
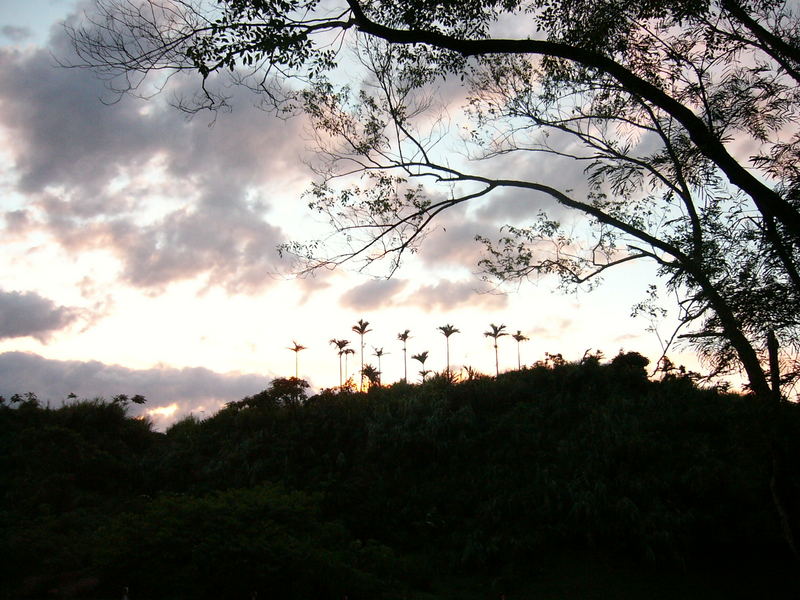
x: 422, y: 357
x: 296, y: 348
x: 496, y: 332
x: 520, y: 338
x: 372, y: 374
x: 447, y: 331
x: 362, y: 328
x: 347, y: 352
x: 379, y: 353
x: 341, y: 345
x: 403, y: 337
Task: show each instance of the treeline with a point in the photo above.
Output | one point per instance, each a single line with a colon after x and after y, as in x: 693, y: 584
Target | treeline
x: 568, y: 480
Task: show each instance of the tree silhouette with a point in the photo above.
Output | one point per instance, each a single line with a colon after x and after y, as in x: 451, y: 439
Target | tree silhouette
x: 362, y: 328
x: 403, y: 337
x: 372, y: 374
x: 296, y: 348
x: 496, y: 332
x: 422, y: 357
x: 347, y: 352
x: 447, y: 331
x: 341, y: 345
x: 520, y: 338
x: 378, y: 352
x: 687, y: 78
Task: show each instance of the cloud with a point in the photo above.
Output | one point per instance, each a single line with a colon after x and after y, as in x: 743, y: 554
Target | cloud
x: 190, y: 389
x: 170, y: 198
x: 29, y: 314
x: 449, y: 295
x: 452, y: 242
x: 374, y: 294
x: 14, y: 33
x: 555, y: 328
x: 230, y: 246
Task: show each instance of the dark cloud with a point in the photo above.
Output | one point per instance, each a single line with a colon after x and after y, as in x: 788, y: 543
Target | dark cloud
x: 14, y: 33
x: 451, y: 240
x: 373, y: 294
x: 29, y: 314
x: 515, y: 206
x: 449, y: 295
x: 191, y: 389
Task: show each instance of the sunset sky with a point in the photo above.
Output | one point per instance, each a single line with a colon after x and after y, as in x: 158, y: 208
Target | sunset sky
x: 139, y: 252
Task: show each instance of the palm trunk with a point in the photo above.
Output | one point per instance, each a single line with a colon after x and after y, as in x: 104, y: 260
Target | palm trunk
x: 361, y: 383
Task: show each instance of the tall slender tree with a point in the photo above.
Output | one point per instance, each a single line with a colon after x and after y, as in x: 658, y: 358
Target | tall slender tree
x: 447, y: 331
x: 378, y: 352
x: 403, y: 337
x: 340, y: 345
x: 362, y: 329
x: 347, y: 352
x: 497, y: 331
x: 520, y: 337
x: 422, y: 357
x: 296, y: 348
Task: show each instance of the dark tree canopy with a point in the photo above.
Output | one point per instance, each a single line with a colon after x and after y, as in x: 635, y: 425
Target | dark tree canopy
x: 684, y: 115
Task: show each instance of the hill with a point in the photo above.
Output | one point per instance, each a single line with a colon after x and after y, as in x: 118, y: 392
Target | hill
x: 561, y: 481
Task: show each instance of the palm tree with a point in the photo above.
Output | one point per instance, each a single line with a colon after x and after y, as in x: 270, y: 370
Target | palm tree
x: 403, y: 337
x: 496, y: 332
x: 379, y: 353
x: 347, y: 352
x: 422, y: 357
x: 372, y: 374
x: 296, y: 348
x: 447, y: 331
x: 341, y: 345
x: 362, y: 328
x: 520, y: 338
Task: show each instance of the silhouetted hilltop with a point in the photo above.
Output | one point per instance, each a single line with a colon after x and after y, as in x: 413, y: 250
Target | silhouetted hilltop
x: 559, y: 481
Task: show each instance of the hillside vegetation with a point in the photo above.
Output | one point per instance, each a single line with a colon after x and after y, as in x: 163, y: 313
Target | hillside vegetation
x: 567, y: 481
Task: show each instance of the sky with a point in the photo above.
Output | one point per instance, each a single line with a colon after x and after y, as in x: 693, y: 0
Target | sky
x: 139, y: 253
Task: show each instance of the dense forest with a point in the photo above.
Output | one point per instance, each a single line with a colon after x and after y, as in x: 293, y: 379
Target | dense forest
x: 564, y: 480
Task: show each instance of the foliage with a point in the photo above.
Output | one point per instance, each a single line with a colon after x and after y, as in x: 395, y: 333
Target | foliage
x: 231, y: 544
x: 399, y: 489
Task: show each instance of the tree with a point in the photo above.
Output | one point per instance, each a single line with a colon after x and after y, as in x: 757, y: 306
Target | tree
x: 347, y: 352
x: 378, y: 352
x: 519, y: 337
x: 340, y: 345
x: 497, y: 331
x: 403, y: 337
x: 362, y: 328
x: 653, y: 97
x: 447, y: 331
x: 421, y: 357
x: 296, y: 348
x: 372, y: 374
